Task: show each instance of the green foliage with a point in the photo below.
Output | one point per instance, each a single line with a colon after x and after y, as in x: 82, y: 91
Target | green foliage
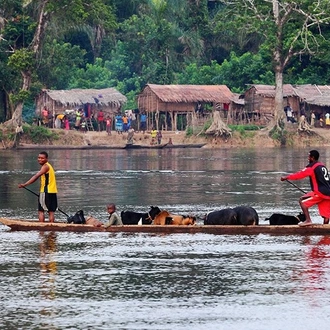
x: 94, y: 76
x: 21, y: 96
x: 59, y: 64
x: 131, y: 100
x: 29, y: 113
x: 39, y: 134
x: 207, y: 125
x: 21, y: 60
x: 189, y: 131
x: 128, y: 43
x: 19, y: 30
x: 199, y: 75
x: 235, y: 72
x: 279, y: 135
x: 247, y: 127
x: 245, y: 131
x: 249, y: 68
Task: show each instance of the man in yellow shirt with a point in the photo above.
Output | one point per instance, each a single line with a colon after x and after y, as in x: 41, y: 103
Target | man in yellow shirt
x: 48, y: 189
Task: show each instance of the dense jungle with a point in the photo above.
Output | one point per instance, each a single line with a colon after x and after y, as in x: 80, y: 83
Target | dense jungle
x: 127, y: 43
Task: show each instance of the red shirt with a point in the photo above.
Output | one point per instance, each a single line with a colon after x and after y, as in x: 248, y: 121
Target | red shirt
x: 100, y: 116
x: 319, y: 178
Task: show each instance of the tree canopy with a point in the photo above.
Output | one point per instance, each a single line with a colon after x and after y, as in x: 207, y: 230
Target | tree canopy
x: 127, y: 43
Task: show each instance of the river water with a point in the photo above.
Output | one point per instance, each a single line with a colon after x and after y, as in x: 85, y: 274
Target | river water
x: 144, y: 281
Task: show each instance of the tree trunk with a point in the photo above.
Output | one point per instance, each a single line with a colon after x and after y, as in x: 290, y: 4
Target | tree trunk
x: 16, y: 119
x: 38, y: 37
x: 218, y: 127
x: 279, y: 110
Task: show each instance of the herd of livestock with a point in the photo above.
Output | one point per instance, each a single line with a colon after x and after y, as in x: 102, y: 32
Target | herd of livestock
x: 239, y: 216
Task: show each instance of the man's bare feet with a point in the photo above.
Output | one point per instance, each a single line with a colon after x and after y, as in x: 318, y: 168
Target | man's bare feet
x: 305, y: 223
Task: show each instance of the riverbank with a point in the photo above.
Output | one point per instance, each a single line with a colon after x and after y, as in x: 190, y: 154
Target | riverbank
x: 244, y: 139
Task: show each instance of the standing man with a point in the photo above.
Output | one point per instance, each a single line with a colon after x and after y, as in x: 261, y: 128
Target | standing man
x: 320, y: 184
x: 143, y: 122
x: 48, y: 189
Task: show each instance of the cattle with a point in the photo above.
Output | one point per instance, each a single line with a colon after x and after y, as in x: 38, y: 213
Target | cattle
x: 133, y: 218
x: 240, y: 215
x: 221, y: 217
x: 278, y: 219
x: 246, y: 215
x: 167, y: 218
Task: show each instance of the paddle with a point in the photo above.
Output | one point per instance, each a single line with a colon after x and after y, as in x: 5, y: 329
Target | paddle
x: 296, y: 186
x: 38, y: 196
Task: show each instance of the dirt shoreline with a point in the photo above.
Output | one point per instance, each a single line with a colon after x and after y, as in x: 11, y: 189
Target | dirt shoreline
x: 251, y: 139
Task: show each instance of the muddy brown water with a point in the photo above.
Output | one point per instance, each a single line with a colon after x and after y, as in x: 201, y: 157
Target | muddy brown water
x: 179, y: 281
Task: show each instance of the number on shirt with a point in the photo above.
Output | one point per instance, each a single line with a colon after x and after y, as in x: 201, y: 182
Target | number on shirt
x: 325, y: 173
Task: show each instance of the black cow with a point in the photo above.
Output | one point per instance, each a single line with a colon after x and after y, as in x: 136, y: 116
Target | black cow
x: 132, y: 218
x: 278, y: 219
x: 246, y: 215
x: 221, y: 217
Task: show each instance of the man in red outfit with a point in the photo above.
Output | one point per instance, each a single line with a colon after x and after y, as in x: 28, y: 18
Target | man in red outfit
x: 320, y: 184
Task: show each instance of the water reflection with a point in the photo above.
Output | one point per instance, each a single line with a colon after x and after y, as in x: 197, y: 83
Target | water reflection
x: 69, y: 280
x: 48, y: 276
x: 317, y: 263
x: 48, y: 265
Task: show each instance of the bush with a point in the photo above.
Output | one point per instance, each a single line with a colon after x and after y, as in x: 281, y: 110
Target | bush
x: 241, y: 128
x: 189, y: 131
x: 279, y: 135
x: 39, y: 134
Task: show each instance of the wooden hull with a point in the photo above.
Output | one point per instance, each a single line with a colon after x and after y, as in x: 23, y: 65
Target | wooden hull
x: 140, y: 146
x: 27, y: 225
x: 161, y: 146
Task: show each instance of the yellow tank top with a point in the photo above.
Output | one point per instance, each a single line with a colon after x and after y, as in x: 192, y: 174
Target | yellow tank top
x: 48, y: 181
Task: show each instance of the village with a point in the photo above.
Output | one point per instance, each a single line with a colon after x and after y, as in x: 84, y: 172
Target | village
x: 176, y: 107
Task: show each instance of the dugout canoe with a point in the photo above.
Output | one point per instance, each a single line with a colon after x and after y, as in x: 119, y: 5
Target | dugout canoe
x: 143, y: 146
x: 162, y: 146
x: 27, y: 225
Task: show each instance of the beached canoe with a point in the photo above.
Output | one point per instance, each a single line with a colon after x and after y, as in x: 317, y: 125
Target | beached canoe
x: 144, y: 146
x: 162, y: 146
x: 27, y: 225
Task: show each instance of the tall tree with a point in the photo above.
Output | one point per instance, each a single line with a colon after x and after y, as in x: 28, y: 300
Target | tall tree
x: 43, y: 13
x: 289, y: 28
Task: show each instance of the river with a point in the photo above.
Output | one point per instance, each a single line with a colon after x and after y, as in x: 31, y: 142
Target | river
x: 179, y: 281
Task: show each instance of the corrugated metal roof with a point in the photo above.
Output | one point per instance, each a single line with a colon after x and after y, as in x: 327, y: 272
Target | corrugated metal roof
x: 106, y: 96
x: 191, y: 93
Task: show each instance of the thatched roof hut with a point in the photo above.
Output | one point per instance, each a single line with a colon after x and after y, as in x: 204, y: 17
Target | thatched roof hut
x: 260, y: 101
x: 57, y: 101
x: 173, y: 101
x: 314, y: 98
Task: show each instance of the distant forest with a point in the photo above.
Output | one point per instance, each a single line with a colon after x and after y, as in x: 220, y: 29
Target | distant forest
x: 126, y: 44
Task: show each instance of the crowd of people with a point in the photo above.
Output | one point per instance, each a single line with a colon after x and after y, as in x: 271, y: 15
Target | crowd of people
x: 121, y: 123
x: 82, y: 120
x: 314, y: 119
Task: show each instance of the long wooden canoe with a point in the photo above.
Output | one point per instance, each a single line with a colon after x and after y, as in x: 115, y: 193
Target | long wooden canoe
x: 27, y: 225
x: 166, y: 146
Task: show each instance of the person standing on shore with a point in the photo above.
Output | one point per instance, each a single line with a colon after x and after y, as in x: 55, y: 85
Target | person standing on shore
x: 320, y: 185
x: 48, y: 190
x: 108, y: 125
